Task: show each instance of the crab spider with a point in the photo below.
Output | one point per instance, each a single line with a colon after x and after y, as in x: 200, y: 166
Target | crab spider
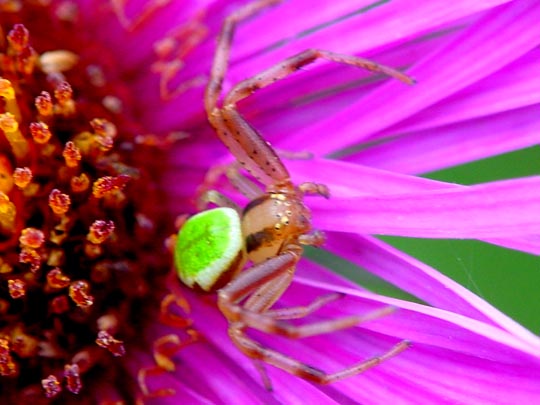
x: 213, y: 246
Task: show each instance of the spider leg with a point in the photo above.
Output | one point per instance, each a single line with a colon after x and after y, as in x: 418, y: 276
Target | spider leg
x: 316, y: 238
x: 223, y: 49
x: 269, y: 324
x: 304, y: 310
x: 310, y: 188
x: 257, y: 351
x: 216, y: 198
x: 249, y: 281
x: 267, y: 294
x: 265, y: 283
x: 292, y: 64
x: 251, y: 150
x: 242, y: 183
x: 244, y: 142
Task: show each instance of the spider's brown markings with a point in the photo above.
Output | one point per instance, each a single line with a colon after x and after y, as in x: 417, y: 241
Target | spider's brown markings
x: 276, y: 223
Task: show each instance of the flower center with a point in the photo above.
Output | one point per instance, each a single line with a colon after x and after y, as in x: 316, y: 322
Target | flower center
x: 79, y: 256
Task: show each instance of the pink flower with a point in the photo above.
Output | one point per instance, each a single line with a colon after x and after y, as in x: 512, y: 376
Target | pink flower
x: 475, y: 97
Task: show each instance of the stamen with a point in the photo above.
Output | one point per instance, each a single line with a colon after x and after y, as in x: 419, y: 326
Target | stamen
x: 7, y: 214
x: 107, y: 184
x: 51, y: 386
x: 73, y: 379
x: 71, y: 154
x: 78, y: 247
x: 105, y: 340
x: 32, y: 257
x: 44, y: 104
x: 56, y: 279
x: 7, y: 92
x: 78, y: 291
x: 10, y: 126
x: 40, y: 132
x: 80, y: 183
x: 7, y: 365
x: 22, y: 176
x: 59, y: 202
x: 18, y: 38
x: 64, y: 95
x: 100, y: 231
x: 17, y: 288
x: 31, y: 238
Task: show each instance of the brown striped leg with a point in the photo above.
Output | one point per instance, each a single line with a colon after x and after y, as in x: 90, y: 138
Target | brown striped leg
x: 257, y: 351
x: 292, y: 64
x: 223, y: 49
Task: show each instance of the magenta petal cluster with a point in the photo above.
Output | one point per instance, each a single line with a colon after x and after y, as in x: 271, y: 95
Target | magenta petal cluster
x: 477, y: 95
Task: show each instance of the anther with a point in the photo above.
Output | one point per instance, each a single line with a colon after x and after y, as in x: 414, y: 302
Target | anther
x: 64, y: 95
x: 71, y: 154
x: 56, y: 279
x: 32, y: 257
x: 16, y: 288
x: 108, y: 184
x: 18, y: 38
x: 51, y: 386
x: 105, y: 340
x: 31, y: 238
x: 78, y: 291
x: 79, y: 183
x: 100, y: 231
x: 44, y: 104
x: 7, y: 365
x: 22, y: 176
x: 73, y: 378
x: 40, y: 132
x: 59, y: 202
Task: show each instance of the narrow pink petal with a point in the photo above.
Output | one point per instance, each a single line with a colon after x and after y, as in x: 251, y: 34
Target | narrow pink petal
x: 415, y: 277
x: 345, y: 179
x: 498, y: 209
x: 515, y: 86
x: 455, y: 144
x: 439, y: 337
x: 502, y: 36
x: 380, y: 24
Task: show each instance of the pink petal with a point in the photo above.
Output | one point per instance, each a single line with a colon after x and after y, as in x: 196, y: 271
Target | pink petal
x: 497, y: 209
x: 417, y: 278
x: 501, y: 36
x: 456, y: 143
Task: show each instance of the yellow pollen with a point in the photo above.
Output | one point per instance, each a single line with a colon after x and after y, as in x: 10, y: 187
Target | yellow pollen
x: 7, y: 214
x: 8, y: 123
x: 6, y: 89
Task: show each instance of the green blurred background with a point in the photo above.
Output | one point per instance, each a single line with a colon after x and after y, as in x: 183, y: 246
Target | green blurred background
x: 508, y: 279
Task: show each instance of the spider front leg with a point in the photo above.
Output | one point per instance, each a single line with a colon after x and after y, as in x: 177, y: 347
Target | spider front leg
x: 244, y: 142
